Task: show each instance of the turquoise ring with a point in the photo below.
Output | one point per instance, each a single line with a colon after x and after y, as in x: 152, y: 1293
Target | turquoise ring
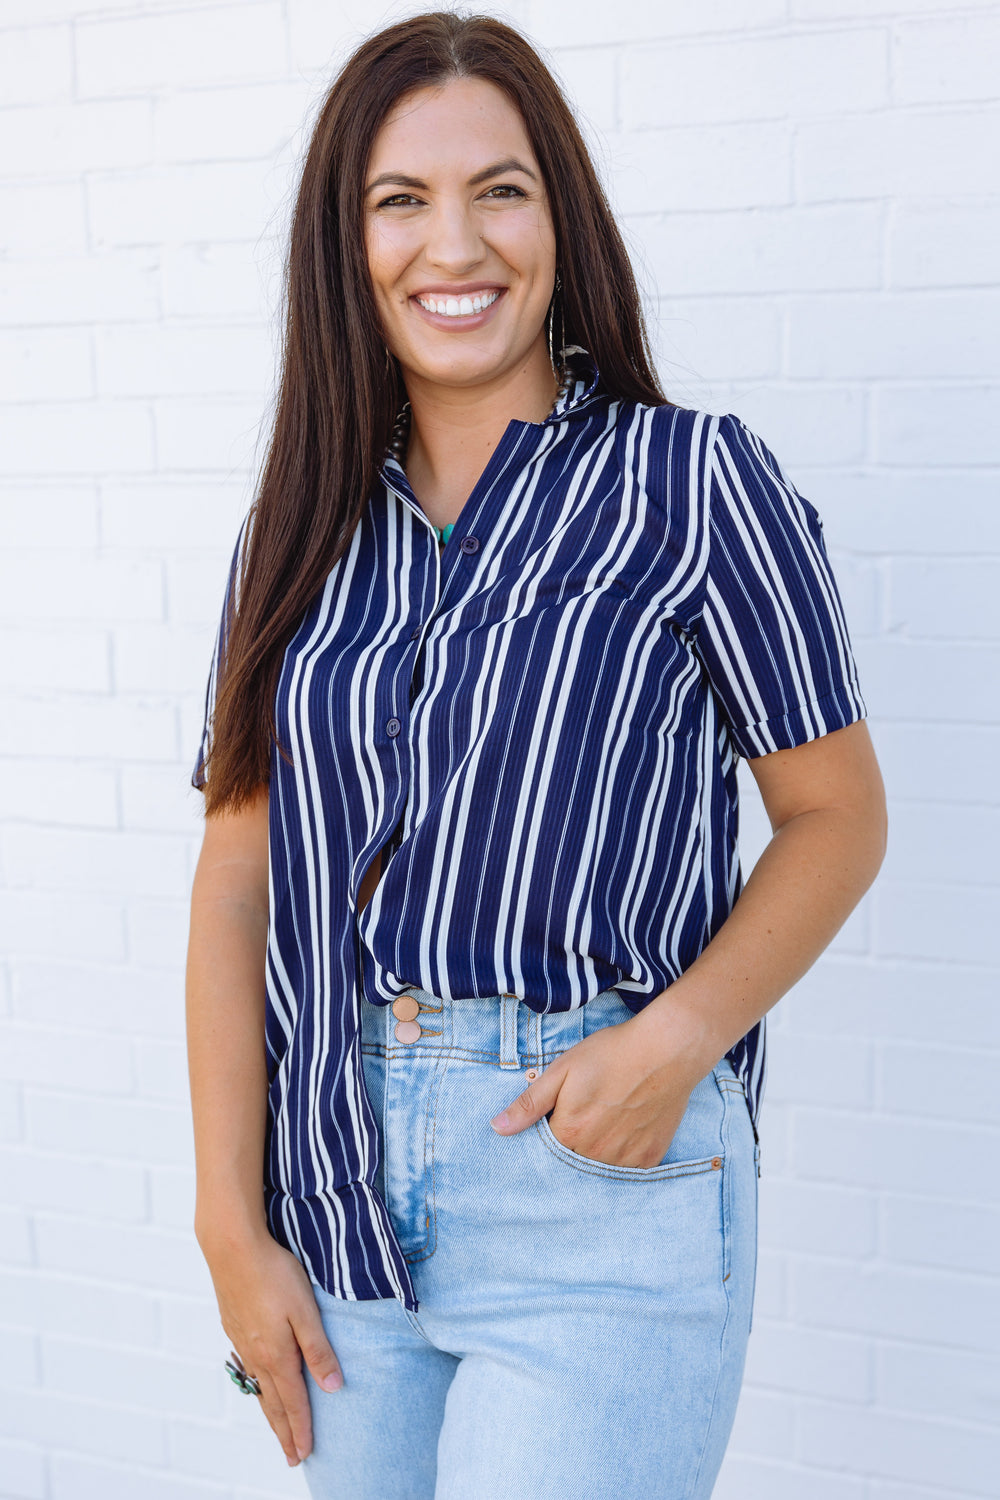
x: 248, y: 1384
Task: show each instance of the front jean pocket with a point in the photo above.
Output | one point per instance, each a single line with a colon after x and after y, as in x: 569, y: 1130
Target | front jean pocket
x: 595, y: 1168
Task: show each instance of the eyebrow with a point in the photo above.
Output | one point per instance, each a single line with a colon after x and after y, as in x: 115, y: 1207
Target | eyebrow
x: 400, y: 179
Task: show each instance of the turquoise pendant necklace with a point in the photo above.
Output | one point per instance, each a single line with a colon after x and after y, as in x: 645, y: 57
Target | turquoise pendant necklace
x: 444, y: 532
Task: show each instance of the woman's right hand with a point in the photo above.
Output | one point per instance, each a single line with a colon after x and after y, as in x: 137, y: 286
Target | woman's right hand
x: 270, y: 1316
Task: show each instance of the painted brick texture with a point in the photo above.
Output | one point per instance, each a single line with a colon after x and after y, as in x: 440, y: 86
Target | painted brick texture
x: 811, y: 192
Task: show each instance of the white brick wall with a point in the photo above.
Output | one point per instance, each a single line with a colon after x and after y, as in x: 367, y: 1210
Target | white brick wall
x: 811, y: 191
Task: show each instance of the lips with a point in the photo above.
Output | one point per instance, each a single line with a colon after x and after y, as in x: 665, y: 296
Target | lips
x: 465, y: 306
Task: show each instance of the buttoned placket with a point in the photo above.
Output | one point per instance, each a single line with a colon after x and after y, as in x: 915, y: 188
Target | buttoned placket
x: 459, y: 552
x: 450, y: 561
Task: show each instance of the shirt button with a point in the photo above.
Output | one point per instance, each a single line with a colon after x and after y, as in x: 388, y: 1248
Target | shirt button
x: 393, y: 726
x: 469, y: 544
x: 414, y: 633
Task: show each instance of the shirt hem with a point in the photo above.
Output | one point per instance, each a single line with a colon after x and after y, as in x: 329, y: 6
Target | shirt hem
x: 345, y: 1241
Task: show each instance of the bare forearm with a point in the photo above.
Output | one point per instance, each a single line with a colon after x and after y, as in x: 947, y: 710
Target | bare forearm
x: 227, y: 1063
x: 806, y: 883
x: 265, y: 1297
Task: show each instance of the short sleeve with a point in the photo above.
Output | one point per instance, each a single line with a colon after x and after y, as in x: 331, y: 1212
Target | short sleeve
x: 230, y: 600
x: 772, y: 635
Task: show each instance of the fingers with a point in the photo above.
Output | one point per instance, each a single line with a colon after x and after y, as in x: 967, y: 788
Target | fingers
x: 291, y: 1391
x: 529, y: 1106
x: 274, y: 1410
x: 270, y: 1315
x: 284, y: 1393
x: 284, y: 1399
x: 323, y: 1363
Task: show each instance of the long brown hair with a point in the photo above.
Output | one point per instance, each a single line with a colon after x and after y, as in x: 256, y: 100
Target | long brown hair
x: 340, y: 390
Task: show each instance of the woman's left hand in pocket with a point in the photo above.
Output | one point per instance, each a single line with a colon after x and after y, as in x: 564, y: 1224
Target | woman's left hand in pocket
x: 616, y: 1096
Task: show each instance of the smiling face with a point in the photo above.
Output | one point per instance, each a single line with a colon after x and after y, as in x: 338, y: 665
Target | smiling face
x: 459, y: 237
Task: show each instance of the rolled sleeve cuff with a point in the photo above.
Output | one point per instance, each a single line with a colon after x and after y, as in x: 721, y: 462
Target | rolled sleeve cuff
x: 805, y: 722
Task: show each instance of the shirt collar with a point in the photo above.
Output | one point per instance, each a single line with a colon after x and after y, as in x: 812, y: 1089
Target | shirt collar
x: 583, y: 380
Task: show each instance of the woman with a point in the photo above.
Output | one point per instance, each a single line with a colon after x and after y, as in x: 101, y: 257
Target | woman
x: 475, y: 1017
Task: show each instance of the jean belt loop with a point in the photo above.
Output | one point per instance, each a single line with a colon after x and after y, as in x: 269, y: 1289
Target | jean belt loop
x: 536, y: 1044
x: 508, y: 1032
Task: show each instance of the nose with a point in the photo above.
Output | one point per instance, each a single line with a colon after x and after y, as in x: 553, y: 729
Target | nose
x: 454, y: 244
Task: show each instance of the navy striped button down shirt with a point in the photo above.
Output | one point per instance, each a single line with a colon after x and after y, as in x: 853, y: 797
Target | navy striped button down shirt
x: 539, y: 725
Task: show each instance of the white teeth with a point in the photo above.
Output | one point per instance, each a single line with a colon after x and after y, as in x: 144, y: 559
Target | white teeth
x: 458, y: 307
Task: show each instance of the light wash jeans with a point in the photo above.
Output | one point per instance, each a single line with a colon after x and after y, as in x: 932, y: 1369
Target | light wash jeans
x: 582, y: 1327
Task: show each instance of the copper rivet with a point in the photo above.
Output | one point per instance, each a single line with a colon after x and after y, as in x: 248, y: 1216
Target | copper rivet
x: 716, y: 1161
x: 407, y: 1031
x: 531, y: 1073
x: 406, y: 1008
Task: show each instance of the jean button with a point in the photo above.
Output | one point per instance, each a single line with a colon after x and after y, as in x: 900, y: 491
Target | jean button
x: 406, y: 1008
x: 408, y: 1031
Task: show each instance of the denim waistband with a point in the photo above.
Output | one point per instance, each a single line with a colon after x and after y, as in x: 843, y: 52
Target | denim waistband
x: 500, y: 1030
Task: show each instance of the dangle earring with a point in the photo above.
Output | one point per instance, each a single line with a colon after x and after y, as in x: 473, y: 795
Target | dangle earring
x: 400, y: 435
x: 559, y: 367
x: 556, y: 368
x: 401, y: 426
